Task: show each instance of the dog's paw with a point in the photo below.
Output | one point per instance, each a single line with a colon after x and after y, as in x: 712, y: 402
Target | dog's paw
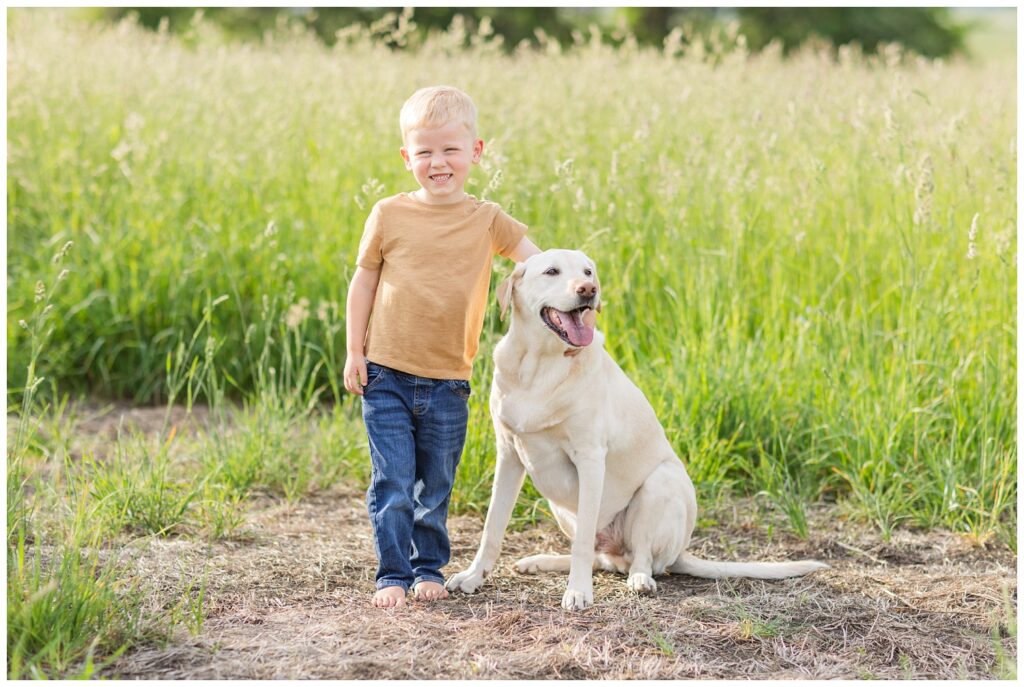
x: 467, y: 581
x: 529, y: 565
x: 577, y: 600
x: 641, y: 583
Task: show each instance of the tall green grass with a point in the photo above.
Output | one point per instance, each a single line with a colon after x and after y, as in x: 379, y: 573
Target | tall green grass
x: 64, y: 606
x: 809, y: 265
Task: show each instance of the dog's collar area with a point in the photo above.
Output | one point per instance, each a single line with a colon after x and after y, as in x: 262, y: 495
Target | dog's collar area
x: 572, y: 352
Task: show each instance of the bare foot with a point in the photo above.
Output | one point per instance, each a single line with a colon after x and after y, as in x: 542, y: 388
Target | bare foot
x: 430, y: 591
x: 389, y: 597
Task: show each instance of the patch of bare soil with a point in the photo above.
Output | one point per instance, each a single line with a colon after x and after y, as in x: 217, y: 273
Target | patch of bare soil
x: 290, y: 599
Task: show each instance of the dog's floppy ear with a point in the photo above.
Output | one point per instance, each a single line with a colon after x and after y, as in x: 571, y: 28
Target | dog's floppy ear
x: 506, y: 287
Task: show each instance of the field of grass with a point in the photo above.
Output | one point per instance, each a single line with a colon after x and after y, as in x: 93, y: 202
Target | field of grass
x: 809, y: 267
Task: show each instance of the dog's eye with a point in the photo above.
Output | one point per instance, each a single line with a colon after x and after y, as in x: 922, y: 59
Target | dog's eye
x: 553, y: 271
x: 587, y: 272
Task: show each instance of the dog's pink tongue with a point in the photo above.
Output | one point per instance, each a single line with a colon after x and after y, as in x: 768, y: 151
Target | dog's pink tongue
x: 578, y: 332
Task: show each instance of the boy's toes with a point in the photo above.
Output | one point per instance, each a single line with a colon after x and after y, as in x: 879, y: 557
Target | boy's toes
x: 389, y: 597
x: 430, y: 591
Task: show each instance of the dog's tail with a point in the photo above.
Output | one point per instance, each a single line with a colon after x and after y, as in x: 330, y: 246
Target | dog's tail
x: 691, y: 565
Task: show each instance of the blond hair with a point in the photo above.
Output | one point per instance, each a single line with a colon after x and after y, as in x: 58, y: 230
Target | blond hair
x: 435, y: 106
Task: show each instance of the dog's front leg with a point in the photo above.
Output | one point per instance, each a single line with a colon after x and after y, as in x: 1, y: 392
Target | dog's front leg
x: 508, y: 480
x: 579, y: 592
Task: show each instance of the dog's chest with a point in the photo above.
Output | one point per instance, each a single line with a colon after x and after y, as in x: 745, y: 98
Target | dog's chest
x: 550, y: 469
x: 521, y: 414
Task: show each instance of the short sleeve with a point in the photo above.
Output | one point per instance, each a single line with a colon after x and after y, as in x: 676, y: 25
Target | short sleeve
x: 506, y: 233
x: 371, y: 253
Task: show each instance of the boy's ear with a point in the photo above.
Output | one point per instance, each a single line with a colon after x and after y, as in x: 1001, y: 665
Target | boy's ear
x: 405, y: 156
x: 478, y: 150
x: 506, y: 287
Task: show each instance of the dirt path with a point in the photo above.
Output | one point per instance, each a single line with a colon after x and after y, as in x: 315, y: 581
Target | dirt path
x: 290, y: 600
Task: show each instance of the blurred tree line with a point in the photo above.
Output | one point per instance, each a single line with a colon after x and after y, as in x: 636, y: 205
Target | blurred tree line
x: 930, y: 31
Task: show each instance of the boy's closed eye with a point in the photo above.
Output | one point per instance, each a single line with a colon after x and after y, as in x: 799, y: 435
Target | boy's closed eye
x: 425, y: 153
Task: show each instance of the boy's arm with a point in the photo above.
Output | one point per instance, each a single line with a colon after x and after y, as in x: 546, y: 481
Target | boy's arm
x: 524, y: 250
x: 361, y: 292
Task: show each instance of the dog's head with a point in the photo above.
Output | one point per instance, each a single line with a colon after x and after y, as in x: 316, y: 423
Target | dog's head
x: 554, y: 290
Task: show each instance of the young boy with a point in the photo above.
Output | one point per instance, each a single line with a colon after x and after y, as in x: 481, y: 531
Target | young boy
x: 423, y: 268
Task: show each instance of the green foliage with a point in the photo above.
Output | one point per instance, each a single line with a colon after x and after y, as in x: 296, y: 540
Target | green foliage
x: 64, y: 610
x: 71, y: 608
x: 660, y: 640
x: 928, y: 31
x: 512, y: 24
x: 135, y: 491
x: 809, y: 265
x: 1005, y: 625
x: 190, y: 610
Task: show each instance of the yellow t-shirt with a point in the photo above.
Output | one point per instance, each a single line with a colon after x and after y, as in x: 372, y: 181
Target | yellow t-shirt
x: 435, y: 270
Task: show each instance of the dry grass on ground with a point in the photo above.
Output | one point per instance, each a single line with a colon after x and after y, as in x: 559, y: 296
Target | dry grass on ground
x: 289, y: 599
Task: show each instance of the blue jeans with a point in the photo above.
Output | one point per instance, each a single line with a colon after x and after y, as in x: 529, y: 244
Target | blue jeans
x: 416, y: 427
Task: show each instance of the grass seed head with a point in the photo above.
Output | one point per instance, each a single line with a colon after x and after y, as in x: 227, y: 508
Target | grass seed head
x: 297, y: 314
x: 923, y: 192
x: 972, y: 235
x: 59, y: 256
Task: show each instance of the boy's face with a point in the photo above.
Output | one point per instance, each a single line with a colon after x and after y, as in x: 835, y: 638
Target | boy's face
x: 440, y: 159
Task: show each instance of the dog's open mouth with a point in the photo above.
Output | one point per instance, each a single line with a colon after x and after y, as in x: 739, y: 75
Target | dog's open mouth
x: 569, y: 325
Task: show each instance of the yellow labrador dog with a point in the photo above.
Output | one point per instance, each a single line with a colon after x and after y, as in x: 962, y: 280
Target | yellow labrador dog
x: 565, y: 413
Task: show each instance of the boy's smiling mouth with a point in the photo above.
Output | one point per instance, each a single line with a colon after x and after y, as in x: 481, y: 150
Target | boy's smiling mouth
x: 441, y: 178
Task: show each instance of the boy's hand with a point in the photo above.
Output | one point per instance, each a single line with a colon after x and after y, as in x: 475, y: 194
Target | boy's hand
x: 355, y: 374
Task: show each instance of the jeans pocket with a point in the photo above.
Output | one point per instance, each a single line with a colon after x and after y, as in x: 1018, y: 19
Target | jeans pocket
x: 374, y: 373
x: 460, y: 388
